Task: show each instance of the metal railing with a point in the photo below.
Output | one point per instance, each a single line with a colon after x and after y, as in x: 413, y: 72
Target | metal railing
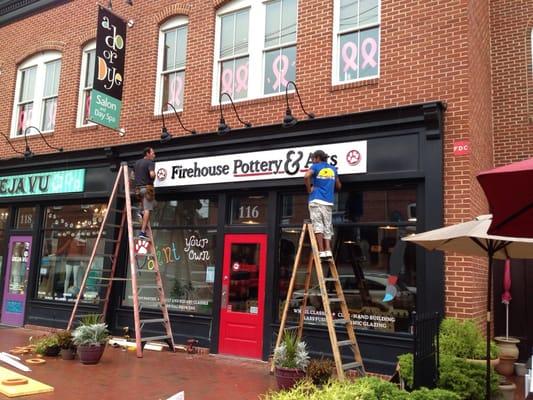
x: 425, y: 349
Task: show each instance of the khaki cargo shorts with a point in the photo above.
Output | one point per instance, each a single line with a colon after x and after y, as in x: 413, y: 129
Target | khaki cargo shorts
x: 321, y: 219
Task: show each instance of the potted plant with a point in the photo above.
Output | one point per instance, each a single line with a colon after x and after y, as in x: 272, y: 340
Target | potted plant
x: 290, y: 360
x: 90, y: 338
x: 68, y: 350
x: 508, y: 354
x: 47, y: 345
x: 320, y: 370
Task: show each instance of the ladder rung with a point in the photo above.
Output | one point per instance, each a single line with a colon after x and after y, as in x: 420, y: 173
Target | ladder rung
x: 100, y: 284
x: 148, y: 287
x: 331, y: 280
x: 109, y: 240
x: 149, y: 339
x: 346, y: 276
x: 335, y: 300
x: 348, y: 342
x: 152, y: 320
x: 114, y: 279
x: 351, y: 365
x: 113, y: 225
x: 291, y: 328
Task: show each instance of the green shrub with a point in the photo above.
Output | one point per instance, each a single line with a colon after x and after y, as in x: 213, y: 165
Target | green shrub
x: 320, y: 370
x: 64, y: 339
x: 457, y: 375
x: 90, y: 335
x: 463, y: 339
x: 43, y: 343
x: 433, y: 394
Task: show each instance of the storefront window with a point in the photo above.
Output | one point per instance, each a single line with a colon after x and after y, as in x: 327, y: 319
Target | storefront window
x: 249, y: 210
x: 25, y: 218
x: 186, y: 257
x: 377, y: 269
x: 4, y: 219
x: 69, y: 235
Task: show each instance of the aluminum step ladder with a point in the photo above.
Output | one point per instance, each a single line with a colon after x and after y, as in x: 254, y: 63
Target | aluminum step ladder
x: 140, y: 251
x: 328, y: 299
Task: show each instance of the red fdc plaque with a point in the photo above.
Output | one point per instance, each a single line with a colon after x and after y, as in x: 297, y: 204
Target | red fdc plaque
x: 461, y: 147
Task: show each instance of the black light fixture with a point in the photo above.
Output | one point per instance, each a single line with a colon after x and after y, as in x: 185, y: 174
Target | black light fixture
x: 8, y: 141
x: 223, y: 128
x: 288, y: 119
x: 27, y: 152
x: 165, y: 136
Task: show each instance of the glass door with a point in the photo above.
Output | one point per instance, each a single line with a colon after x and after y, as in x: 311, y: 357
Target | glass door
x: 15, y: 286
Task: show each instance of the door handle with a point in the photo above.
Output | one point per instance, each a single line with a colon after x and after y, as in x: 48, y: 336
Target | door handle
x: 224, y: 296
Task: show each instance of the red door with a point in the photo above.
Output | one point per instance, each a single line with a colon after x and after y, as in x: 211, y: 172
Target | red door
x: 243, y: 295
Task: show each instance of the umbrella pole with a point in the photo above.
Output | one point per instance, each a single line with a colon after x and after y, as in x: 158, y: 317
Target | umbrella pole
x: 507, y: 320
x: 489, y: 307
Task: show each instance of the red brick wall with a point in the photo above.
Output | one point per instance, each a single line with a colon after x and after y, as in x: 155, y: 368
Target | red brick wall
x: 511, y: 24
x: 428, y: 52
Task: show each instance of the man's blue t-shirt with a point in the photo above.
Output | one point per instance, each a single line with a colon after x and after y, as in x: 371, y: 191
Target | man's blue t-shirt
x: 324, y: 176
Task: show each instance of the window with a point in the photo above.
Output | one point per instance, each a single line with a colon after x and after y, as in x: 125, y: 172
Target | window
x: 86, y: 84
x: 356, y: 40
x: 69, y: 234
x: 377, y: 268
x: 171, y: 64
x: 36, y: 94
x: 185, y: 240
x: 4, y: 219
x: 250, y: 63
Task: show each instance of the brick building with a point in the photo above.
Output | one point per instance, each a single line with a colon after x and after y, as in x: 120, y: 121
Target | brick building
x: 398, y: 83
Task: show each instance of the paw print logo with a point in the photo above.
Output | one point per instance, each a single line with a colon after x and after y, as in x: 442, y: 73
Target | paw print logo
x: 161, y: 174
x: 141, y: 246
x: 353, y: 157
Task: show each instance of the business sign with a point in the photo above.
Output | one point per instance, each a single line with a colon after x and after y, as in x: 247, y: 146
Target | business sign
x: 69, y: 181
x: 348, y: 157
x: 461, y: 147
x: 106, y: 96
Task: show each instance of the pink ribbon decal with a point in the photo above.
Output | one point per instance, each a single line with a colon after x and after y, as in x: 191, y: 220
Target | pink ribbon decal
x: 349, y: 61
x: 227, y: 81
x: 87, y: 106
x: 368, y: 56
x: 21, y: 119
x: 242, y: 78
x: 176, y: 86
x: 280, y: 73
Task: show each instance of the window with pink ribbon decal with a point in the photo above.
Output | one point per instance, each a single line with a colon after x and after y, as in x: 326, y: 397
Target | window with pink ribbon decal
x: 233, y: 55
x: 280, y: 45
x: 356, y: 45
x: 86, y: 84
x: 173, y: 69
x: 51, y: 89
x: 37, y: 89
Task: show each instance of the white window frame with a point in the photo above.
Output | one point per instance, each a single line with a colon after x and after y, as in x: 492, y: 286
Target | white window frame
x: 256, y: 49
x: 39, y: 60
x: 337, y: 33
x: 91, y: 46
x: 173, y: 23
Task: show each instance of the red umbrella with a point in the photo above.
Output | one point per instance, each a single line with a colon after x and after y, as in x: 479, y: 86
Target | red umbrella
x: 506, y: 295
x: 509, y: 190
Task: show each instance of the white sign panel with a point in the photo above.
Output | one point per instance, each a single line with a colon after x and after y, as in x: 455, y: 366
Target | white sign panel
x: 348, y: 157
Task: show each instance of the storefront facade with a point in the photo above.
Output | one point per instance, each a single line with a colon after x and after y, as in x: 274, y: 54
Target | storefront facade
x: 227, y: 225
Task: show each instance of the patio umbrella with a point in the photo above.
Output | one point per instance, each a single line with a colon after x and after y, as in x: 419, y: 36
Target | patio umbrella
x: 471, y: 238
x: 506, y: 295
x: 510, y: 196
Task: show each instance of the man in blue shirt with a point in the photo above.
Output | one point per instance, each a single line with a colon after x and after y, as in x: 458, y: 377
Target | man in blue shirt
x: 321, y: 180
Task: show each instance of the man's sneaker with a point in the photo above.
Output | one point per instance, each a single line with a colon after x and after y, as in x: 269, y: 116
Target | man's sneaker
x: 322, y: 254
x: 143, y: 235
x: 328, y: 254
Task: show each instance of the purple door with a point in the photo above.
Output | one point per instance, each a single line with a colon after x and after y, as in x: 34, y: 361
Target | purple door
x: 18, y: 265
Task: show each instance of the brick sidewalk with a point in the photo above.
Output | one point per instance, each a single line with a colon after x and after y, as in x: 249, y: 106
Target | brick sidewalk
x: 157, y: 376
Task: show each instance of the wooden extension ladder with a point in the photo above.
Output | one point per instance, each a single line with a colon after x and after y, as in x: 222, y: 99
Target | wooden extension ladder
x: 140, y: 250
x: 327, y: 301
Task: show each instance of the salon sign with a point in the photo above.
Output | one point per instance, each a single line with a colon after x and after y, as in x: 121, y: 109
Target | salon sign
x: 69, y: 181
x: 348, y: 157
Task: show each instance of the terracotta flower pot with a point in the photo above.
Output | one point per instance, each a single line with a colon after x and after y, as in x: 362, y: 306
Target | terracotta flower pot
x: 508, y: 390
x: 508, y: 354
x: 91, y: 354
x: 288, y: 377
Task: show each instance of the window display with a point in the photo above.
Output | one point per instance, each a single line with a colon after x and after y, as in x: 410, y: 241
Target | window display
x: 4, y: 219
x: 69, y: 236
x: 185, y: 254
x: 377, y: 269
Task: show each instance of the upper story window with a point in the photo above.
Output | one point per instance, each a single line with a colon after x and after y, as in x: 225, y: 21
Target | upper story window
x: 255, y: 48
x: 86, y: 84
x: 171, y: 64
x: 36, y: 93
x: 356, y: 40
